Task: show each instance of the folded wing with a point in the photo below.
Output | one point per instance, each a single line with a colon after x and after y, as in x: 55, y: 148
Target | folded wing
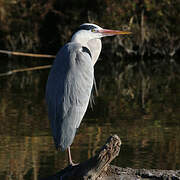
x: 68, y: 92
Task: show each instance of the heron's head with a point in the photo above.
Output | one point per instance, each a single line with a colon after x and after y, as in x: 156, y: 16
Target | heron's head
x: 89, y: 35
x: 88, y: 31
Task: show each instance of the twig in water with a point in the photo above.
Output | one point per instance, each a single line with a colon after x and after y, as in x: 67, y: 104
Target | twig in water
x: 27, y: 54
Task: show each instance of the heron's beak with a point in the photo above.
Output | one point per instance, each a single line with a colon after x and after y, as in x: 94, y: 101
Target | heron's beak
x: 109, y: 32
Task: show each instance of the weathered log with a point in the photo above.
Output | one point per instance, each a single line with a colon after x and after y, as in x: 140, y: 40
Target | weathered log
x: 98, y: 167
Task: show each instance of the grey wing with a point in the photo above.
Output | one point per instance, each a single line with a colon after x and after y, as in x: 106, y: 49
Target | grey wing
x: 68, y: 92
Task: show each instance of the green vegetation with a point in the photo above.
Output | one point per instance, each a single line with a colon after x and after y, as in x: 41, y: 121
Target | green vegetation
x: 47, y: 25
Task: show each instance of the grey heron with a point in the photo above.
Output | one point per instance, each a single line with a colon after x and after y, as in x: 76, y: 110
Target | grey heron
x: 70, y: 82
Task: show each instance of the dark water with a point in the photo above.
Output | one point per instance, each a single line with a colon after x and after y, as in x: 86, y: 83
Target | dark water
x: 150, y: 139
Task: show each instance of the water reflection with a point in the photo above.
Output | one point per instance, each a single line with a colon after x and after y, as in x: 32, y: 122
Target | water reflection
x: 150, y: 139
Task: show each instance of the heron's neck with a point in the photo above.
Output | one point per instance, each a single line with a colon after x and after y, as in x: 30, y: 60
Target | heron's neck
x: 94, y: 45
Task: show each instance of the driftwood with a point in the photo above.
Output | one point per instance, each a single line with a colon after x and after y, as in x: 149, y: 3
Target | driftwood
x: 99, y: 168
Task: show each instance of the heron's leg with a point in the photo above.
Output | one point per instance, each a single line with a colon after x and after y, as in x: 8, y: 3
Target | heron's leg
x: 70, y: 158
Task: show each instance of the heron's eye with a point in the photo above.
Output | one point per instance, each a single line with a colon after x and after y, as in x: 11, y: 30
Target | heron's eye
x: 93, y: 30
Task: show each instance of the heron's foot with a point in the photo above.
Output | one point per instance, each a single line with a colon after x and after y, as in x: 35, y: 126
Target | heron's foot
x: 70, y: 158
x: 73, y: 164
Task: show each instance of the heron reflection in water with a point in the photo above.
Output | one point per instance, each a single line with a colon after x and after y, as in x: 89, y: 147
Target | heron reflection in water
x: 70, y: 82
